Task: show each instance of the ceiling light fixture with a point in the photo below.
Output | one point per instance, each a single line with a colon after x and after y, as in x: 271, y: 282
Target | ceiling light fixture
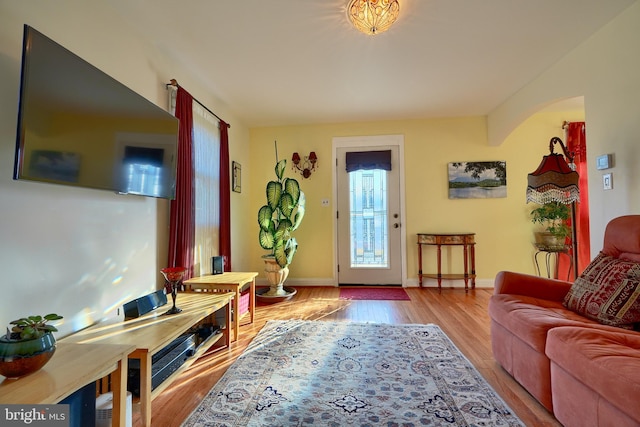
x: 373, y: 16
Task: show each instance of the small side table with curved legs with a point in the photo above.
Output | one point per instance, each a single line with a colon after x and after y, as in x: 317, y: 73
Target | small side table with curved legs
x: 466, y: 240
x: 553, y: 252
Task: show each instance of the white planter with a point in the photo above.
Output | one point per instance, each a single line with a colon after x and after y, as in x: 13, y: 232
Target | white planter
x: 276, y: 276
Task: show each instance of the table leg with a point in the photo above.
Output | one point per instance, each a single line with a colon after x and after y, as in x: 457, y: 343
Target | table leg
x: 252, y: 299
x: 535, y: 259
x: 439, y: 268
x: 227, y: 338
x: 473, y: 266
x: 145, y: 389
x: 119, y: 390
x: 420, y: 264
x: 466, y: 267
x: 236, y: 314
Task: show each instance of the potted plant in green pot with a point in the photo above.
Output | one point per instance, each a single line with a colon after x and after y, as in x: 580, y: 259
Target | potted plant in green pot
x: 278, y: 219
x: 28, y: 346
x: 552, y: 216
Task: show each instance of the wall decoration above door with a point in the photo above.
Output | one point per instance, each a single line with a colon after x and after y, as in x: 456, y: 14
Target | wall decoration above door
x: 477, y: 180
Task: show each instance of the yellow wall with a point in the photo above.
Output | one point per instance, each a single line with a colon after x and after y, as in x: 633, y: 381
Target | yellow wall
x: 502, y: 226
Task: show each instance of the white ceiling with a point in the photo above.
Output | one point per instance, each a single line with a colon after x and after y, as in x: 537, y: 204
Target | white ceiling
x: 284, y: 62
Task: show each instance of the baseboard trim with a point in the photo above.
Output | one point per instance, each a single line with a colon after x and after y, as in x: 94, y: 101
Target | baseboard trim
x: 301, y: 282
x: 409, y: 283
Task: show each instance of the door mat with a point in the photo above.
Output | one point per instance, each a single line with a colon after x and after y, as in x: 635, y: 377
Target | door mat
x: 390, y: 294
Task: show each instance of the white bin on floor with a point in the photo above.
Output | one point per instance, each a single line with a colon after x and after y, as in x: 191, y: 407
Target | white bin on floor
x: 104, y: 408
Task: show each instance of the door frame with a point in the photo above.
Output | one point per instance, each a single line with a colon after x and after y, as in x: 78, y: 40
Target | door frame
x: 369, y: 141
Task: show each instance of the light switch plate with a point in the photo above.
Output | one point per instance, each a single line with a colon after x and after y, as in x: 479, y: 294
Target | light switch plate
x: 607, y: 181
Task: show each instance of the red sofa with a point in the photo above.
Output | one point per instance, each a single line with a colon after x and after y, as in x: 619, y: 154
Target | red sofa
x: 571, y: 348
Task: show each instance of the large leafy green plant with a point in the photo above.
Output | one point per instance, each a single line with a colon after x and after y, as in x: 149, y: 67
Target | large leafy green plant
x: 281, y: 216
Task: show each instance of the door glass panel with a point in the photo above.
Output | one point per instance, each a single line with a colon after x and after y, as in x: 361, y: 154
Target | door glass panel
x: 368, y: 218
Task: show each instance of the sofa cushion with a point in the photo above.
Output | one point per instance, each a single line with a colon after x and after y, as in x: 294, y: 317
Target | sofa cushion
x: 630, y: 257
x: 608, y: 292
x: 606, y: 361
x: 530, y: 318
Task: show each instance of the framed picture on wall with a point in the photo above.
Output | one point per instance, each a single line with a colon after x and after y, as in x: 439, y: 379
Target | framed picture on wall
x: 236, y: 182
x: 477, y: 180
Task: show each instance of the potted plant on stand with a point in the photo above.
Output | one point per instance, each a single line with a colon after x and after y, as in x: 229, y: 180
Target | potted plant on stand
x: 552, y: 216
x: 278, y: 219
x: 28, y: 346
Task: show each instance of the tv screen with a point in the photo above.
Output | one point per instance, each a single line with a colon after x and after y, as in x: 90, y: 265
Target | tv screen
x: 78, y: 126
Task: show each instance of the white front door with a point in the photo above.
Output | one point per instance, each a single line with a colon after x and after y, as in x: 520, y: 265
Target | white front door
x: 369, y: 226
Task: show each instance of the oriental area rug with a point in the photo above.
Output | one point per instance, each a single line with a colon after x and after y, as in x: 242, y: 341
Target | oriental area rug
x: 315, y: 373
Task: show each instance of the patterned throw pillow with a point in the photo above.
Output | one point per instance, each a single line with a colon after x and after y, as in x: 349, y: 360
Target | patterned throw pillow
x: 608, y: 292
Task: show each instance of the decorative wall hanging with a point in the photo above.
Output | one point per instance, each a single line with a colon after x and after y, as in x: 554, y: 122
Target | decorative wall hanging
x: 477, y: 180
x: 306, y: 165
x: 236, y: 182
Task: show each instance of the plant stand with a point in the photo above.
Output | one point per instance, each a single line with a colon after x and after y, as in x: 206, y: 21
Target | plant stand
x: 262, y: 295
x: 552, y: 265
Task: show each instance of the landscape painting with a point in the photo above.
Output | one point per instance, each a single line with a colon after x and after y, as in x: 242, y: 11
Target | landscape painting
x: 477, y: 180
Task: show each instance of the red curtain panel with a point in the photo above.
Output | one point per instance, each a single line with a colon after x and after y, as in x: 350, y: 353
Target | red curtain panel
x: 181, y: 225
x: 225, y: 197
x: 577, y: 143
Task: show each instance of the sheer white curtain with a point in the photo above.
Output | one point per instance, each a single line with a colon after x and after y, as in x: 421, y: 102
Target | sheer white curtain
x: 206, y: 163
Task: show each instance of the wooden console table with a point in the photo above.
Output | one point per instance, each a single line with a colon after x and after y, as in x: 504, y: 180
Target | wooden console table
x: 234, y: 282
x: 152, y: 332
x: 72, y: 367
x: 467, y: 240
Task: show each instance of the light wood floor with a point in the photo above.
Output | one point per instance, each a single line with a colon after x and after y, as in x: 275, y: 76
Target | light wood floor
x: 463, y: 317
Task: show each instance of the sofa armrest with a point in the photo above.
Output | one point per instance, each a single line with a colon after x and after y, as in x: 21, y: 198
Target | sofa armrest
x: 509, y: 282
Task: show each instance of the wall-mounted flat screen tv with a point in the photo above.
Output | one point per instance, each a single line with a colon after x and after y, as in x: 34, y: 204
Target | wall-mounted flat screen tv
x: 78, y: 126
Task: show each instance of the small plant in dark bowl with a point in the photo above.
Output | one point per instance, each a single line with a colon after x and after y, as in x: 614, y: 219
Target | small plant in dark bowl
x: 27, y: 328
x: 28, y: 345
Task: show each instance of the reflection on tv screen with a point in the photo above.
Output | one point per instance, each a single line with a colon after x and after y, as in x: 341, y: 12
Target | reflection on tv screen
x: 78, y: 126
